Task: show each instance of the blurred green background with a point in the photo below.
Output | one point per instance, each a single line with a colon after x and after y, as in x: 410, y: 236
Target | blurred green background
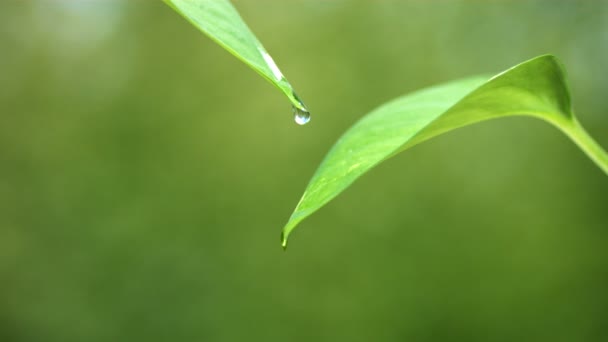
x: 146, y: 174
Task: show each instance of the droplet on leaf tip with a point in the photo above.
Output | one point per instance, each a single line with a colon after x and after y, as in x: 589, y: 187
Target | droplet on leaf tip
x: 301, y: 116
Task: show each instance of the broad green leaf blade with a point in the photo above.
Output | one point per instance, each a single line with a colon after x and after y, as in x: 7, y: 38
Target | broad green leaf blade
x: 221, y: 22
x: 535, y: 88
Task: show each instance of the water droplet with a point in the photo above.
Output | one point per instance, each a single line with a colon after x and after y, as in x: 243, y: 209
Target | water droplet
x: 301, y: 116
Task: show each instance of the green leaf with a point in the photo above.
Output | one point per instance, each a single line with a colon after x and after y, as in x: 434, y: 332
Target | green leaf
x: 221, y: 22
x: 534, y: 88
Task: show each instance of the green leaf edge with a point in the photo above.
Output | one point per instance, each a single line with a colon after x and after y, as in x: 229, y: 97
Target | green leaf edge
x: 568, y: 124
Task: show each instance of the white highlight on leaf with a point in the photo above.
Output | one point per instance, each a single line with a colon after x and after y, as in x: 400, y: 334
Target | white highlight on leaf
x: 272, y: 65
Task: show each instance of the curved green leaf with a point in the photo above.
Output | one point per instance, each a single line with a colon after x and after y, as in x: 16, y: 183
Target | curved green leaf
x: 221, y: 22
x: 534, y: 88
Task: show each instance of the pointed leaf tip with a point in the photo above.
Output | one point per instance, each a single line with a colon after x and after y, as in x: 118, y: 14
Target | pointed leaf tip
x: 284, y: 240
x: 221, y: 22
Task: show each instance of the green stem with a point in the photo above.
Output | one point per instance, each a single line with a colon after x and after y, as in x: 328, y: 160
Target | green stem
x: 577, y: 133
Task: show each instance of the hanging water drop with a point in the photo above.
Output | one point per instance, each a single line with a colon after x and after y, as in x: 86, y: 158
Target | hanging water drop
x: 301, y: 116
x: 300, y: 113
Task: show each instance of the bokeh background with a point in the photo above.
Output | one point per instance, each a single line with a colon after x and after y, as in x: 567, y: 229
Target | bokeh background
x: 145, y: 175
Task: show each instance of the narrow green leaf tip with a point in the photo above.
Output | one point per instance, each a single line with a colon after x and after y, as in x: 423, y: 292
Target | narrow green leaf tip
x: 219, y: 20
x: 535, y: 88
x: 283, y: 241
